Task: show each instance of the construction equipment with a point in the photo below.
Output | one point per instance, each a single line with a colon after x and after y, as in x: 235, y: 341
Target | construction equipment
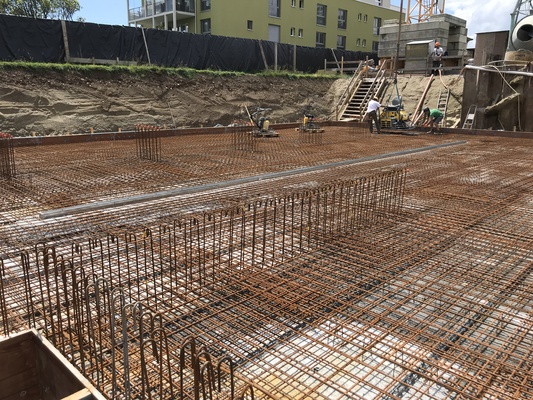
x: 521, y: 30
x: 394, y: 116
x: 309, y: 124
x: 261, y: 122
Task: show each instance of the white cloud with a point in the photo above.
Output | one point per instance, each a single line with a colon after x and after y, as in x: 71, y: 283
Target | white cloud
x: 481, y: 17
x: 492, y: 16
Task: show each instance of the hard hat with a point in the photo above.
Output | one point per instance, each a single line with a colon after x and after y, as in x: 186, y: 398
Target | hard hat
x: 375, y: 98
x: 437, y: 44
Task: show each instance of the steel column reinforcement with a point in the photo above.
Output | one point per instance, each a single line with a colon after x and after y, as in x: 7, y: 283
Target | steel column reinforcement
x: 117, y: 302
x: 7, y: 156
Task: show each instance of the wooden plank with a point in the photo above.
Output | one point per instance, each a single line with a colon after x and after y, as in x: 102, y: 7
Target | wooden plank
x: 32, y: 368
x: 18, y: 370
x: 30, y: 392
x: 83, y: 394
x: 77, y: 60
x: 65, y: 40
x: 263, y: 55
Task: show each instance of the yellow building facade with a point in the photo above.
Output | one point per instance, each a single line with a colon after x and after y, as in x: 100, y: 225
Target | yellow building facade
x: 339, y: 24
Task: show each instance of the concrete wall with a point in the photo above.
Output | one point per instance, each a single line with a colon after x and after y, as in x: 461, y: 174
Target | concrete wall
x: 490, y: 46
x: 486, y: 88
x: 450, y: 31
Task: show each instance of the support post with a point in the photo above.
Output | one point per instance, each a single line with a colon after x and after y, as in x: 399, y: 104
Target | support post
x: 65, y: 40
x: 294, y: 58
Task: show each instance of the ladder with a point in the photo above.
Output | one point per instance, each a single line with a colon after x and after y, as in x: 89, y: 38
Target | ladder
x: 442, y: 104
x: 469, y: 120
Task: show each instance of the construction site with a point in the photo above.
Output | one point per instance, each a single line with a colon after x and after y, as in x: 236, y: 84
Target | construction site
x: 337, y: 265
x: 296, y: 260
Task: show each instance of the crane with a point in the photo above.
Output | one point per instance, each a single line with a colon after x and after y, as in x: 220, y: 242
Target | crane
x: 421, y: 10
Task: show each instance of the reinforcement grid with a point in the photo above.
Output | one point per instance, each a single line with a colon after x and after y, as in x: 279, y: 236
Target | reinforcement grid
x: 406, y: 277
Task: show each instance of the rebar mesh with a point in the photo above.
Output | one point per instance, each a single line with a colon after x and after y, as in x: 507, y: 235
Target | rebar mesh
x: 395, y: 277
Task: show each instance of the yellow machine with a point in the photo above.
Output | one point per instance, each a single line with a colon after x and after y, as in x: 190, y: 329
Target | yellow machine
x: 309, y: 125
x: 394, y: 116
x: 261, y: 123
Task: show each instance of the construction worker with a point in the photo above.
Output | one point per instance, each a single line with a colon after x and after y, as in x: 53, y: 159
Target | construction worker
x: 432, y: 119
x: 372, y: 114
x: 437, y: 57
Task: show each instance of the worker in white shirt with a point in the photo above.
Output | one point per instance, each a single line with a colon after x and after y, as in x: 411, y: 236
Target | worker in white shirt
x: 372, y: 114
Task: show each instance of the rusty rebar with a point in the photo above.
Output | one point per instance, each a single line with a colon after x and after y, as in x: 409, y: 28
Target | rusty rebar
x: 7, y: 156
x: 148, y: 141
x: 404, y: 277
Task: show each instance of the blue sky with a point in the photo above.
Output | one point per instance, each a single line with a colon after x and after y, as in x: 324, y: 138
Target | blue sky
x: 107, y: 12
x: 495, y: 15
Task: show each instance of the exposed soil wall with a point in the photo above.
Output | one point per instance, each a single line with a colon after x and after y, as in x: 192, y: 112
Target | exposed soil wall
x: 50, y: 103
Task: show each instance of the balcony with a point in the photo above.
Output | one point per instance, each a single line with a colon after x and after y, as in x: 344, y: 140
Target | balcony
x: 160, y: 7
x: 185, y: 5
x: 136, y: 13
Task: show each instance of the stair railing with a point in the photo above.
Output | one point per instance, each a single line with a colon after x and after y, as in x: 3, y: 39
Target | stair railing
x: 374, y: 90
x: 351, y: 88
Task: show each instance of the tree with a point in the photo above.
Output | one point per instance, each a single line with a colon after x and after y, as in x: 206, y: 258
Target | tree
x: 48, y: 9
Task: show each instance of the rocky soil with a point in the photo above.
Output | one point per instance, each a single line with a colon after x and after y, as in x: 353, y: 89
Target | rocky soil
x: 52, y: 102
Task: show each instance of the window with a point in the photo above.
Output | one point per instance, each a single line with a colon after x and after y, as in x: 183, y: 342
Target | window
x: 185, y: 5
x: 320, y: 39
x: 293, y: 31
x: 205, y: 25
x: 300, y: 32
x: 160, y: 7
x: 205, y: 5
x: 358, y: 42
x: 364, y: 42
x: 341, y: 42
x: 377, y: 25
x: 293, y: 3
x: 321, y: 10
x: 359, y: 16
x: 343, y: 16
x: 274, y: 33
x: 273, y: 8
x: 301, y: 4
x: 365, y: 18
x: 250, y: 25
x: 375, y: 47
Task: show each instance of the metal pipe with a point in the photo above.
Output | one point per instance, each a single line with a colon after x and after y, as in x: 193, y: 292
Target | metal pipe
x: 495, y: 69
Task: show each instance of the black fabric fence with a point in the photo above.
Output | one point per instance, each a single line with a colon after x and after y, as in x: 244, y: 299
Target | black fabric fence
x: 42, y: 40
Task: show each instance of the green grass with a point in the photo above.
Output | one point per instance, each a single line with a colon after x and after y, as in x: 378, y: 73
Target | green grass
x: 145, y: 70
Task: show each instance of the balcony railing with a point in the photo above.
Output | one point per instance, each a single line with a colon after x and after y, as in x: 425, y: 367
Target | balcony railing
x: 160, y: 7
x: 136, y: 13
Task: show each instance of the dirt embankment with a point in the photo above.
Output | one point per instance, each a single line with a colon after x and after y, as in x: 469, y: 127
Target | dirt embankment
x: 50, y: 103
x: 412, y: 88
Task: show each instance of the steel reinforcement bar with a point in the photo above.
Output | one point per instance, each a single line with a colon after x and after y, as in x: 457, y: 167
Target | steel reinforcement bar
x: 69, y: 294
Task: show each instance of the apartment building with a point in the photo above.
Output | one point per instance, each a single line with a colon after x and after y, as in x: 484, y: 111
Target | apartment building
x: 340, y: 24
